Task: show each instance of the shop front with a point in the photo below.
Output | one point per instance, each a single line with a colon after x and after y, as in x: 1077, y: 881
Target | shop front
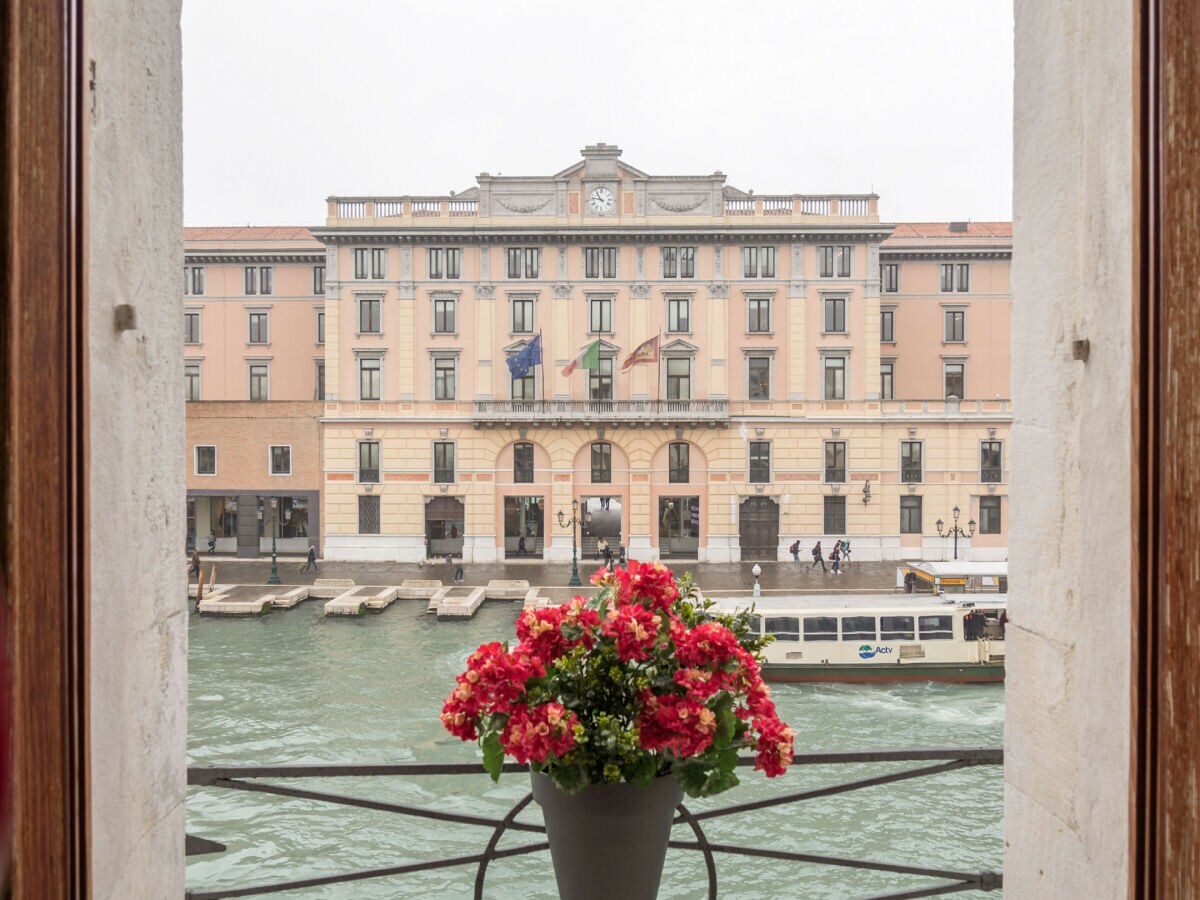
x: 244, y: 524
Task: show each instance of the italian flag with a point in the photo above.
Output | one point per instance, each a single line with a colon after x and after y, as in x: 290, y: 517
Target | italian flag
x: 588, y: 358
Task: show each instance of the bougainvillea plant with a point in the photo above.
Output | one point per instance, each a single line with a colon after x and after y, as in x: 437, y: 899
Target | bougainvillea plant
x: 642, y: 680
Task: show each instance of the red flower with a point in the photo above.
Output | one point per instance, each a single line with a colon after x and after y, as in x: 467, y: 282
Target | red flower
x: 539, y: 732
x: 709, y: 644
x: 679, y: 724
x: 494, y: 680
x: 774, y: 746
x: 651, y: 583
x: 635, y: 630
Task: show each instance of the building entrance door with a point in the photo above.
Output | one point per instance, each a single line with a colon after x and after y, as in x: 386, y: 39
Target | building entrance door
x: 758, y: 528
x: 524, y: 527
x: 601, y: 519
x: 678, y: 527
x: 445, y: 521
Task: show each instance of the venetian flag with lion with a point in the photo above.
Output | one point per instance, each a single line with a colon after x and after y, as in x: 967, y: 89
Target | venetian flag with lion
x: 646, y: 351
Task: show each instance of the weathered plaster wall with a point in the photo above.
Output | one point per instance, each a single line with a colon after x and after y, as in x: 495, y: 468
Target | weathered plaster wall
x: 1067, y: 734
x: 138, y: 611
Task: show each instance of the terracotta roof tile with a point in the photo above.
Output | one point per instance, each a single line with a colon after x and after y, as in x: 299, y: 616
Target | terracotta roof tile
x: 942, y: 230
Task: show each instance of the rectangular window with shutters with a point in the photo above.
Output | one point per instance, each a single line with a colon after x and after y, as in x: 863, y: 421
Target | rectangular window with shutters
x: 362, y: 262
x: 670, y: 262
x: 989, y: 515
x: 444, y: 262
x: 378, y: 262
x: 193, y: 280
x: 368, y: 514
x: 760, y: 462
x: 835, y: 515
x: 443, y: 462
x: 368, y: 462
x: 842, y: 260
x: 825, y: 261
x: 600, y: 262
x: 910, y: 514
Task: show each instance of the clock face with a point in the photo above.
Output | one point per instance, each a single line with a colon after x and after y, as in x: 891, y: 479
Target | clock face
x: 601, y: 200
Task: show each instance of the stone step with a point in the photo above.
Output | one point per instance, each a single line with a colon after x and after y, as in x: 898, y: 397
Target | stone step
x: 347, y: 603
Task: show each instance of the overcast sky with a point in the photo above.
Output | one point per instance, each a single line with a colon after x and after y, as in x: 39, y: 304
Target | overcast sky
x: 289, y: 101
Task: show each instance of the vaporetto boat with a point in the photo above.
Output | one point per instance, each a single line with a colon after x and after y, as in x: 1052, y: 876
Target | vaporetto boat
x: 881, y: 637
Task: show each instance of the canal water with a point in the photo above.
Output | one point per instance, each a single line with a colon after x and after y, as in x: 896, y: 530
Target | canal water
x: 295, y: 687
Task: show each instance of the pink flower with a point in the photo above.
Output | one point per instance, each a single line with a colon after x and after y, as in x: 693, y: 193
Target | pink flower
x: 774, y: 746
x: 679, y: 724
x: 494, y: 680
x: 709, y: 644
x: 651, y: 583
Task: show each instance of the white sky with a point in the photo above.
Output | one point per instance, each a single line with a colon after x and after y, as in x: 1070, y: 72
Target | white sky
x: 289, y: 101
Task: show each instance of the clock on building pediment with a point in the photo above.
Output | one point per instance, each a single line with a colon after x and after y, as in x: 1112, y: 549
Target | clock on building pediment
x: 601, y: 200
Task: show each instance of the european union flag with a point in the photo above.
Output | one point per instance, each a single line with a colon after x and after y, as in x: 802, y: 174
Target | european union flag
x: 529, y: 357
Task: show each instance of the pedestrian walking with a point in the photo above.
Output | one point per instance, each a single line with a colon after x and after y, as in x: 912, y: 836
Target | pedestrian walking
x: 194, y: 565
x: 459, y: 575
x: 521, y: 551
x: 312, y: 559
x: 835, y: 558
x: 818, y: 557
x: 212, y: 542
x: 845, y: 553
x: 795, y: 550
x: 602, y: 549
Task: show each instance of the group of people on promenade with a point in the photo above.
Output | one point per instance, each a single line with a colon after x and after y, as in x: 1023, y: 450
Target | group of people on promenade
x: 839, y: 556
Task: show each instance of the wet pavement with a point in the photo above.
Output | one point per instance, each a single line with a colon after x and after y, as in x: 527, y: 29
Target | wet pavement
x: 712, y: 578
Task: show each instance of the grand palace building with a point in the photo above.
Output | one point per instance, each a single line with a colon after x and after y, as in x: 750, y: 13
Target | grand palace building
x: 690, y: 370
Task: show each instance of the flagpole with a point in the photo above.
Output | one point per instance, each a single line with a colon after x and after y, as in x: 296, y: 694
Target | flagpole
x: 658, y: 353
x: 541, y: 352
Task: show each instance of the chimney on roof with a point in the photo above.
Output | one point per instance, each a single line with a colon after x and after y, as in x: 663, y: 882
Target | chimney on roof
x: 958, y: 227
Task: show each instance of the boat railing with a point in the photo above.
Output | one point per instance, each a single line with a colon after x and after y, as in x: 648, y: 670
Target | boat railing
x: 265, y: 779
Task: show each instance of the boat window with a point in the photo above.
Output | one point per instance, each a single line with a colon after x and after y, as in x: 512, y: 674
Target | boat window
x: 756, y: 624
x: 858, y: 628
x: 820, y: 628
x: 785, y: 628
x: 896, y: 628
x: 936, y: 628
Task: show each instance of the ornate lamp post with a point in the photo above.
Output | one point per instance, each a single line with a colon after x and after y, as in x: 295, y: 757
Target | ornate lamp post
x: 274, y: 578
x: 955, y: 530
x: 571, y: 523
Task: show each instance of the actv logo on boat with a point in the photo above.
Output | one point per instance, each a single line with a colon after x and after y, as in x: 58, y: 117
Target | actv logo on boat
x: 866, y: 651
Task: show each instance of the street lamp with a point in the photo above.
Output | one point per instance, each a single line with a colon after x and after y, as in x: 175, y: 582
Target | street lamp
x: 756, y: 571
x: 955, y: 530
x: 571, y: 523
x: 274, y: 578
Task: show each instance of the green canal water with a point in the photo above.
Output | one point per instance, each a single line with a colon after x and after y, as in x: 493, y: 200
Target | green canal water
x: 294, y: 687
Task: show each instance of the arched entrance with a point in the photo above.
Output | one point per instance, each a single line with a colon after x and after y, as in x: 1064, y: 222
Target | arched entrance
x: 758, y: 528
x: 678, y: 527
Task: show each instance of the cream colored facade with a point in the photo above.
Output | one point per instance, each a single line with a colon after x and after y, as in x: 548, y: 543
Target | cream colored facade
x: 775, y: 339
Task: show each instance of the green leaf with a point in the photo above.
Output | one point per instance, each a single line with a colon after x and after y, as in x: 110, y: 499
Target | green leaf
x: 692, y: 776
x: 645, y: 770
x: 493, y: 754
x: 726, y: 723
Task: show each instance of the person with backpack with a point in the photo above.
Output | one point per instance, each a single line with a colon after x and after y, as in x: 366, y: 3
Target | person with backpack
x: 835, y: 557
x: 845, y: 553
x: 795, y: 550
x: 818, y: 558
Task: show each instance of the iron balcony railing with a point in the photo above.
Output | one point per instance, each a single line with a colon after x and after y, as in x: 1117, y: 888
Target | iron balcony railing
x: 931, y: 762
x: 503, y: 412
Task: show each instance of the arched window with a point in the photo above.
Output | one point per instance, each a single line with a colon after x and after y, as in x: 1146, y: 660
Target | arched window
x: 678, y: 465
x: 523, y: 463
x: 601, y: 462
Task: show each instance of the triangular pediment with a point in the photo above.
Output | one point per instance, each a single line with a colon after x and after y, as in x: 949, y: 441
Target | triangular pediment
x: 679, y: 345
x: 624, y: 170
x: 518, y: 346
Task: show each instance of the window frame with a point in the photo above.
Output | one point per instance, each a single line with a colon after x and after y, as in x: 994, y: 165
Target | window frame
x: 320, y: 326
x: 833, y: 364
x: 192, y: 335
x: 361, y: 470
x: 444, y: 312
x: 370, y: 500
x: 196, y: 448
x: 911, y: 508
x: 191, y: 381
x: 887, y: 325
x: 676, y: 381
x: 753, y: 361
x: 440, y: 471
x: 758, y: 462
x: 370, y: 312
x: 758, y: 307
x: 912, y: 472
x: 523, y: 473
x: 985, y: 470
x: 961, y: 376
x: 368, y: 364
x: 831, y: 471
x: 445, y: 390
x: 318, y: 276
x: 679, y: 462
x: 605, y: 304
x: 319, y: 380
x: 833, y: 513
x: 838, y: 305
x: 516, y: 301
x: 954, y: 325
x: 602, y: 467
x: 674, y: 303
x: 258, y: 321
x: 264, y: 377
x: 193, y: 281
x: 603, y: 376
x: 887, y: 380
x: 286, y: 456
x: 990, y: 514
x: 889, y: 278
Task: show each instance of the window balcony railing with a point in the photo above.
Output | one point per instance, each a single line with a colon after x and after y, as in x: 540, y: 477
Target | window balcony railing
x: 910, y: 474
x: 928, y: 763
x: 835, y: 475
x: 505, y: 412
x: 989, y: 475
x: 368, y: 476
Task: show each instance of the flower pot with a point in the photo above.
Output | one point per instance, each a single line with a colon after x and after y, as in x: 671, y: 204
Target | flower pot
x: 609, y: 840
